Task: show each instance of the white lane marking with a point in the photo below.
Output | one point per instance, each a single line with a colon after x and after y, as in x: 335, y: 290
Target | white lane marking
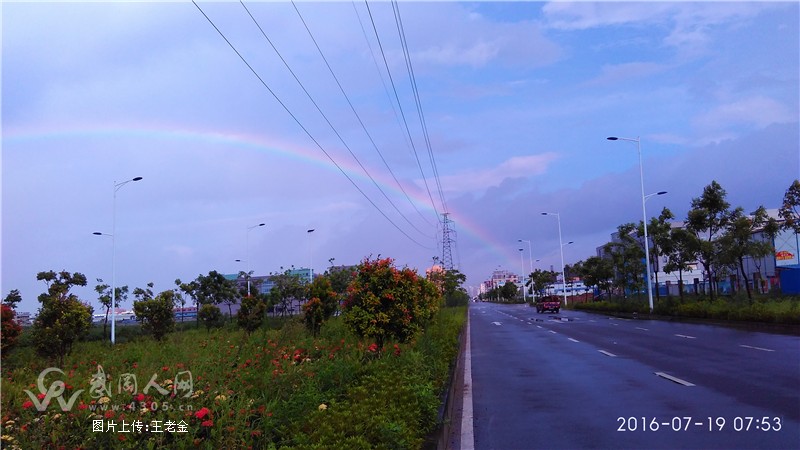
x: 592, y: 320
x: 685, y: 336
x: 643, y: 329
x: 553, y: 332
x: 673, y: 379
x: 607, y: 353
x: 496, y: 323
x: 573, y: 340
x: 757, y: 348
x: 615, y: 324
x: 538, y: 326
x: 467, y: 431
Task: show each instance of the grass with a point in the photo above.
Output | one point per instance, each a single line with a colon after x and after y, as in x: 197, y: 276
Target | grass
x: 277, y: 388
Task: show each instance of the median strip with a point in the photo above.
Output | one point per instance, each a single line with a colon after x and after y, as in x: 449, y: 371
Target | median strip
x: 673, y: 379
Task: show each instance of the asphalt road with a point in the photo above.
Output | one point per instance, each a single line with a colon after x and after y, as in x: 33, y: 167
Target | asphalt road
x: 579, y: 380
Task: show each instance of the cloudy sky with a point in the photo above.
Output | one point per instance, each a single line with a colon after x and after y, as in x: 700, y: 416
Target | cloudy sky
x: 517, y: 98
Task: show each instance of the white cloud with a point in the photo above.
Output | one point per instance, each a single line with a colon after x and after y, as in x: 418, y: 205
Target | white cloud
x: 614, y: 73
x: 482, y: 179
x: 758, y: 111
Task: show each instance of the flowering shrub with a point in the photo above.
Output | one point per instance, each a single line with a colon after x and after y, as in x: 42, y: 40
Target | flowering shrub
x: 384, y: 302
x: 9, y: 329
x: 321, y: 306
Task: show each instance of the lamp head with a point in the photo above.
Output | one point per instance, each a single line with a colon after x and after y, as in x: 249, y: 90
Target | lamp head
x: 612, y: 138
x: 136, y: 179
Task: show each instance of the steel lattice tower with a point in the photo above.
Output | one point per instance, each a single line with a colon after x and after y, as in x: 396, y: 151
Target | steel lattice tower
x: 448, y: 237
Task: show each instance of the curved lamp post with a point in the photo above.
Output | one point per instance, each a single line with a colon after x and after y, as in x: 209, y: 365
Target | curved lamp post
x: 117, y: 186
x: 561, y: 246
x: 644, y: 216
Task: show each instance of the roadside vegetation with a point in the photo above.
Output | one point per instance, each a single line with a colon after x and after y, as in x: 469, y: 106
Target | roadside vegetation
x: 368, y: 377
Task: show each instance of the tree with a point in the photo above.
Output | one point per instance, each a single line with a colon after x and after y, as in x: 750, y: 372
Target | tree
x: 384, y: 302
x: 340, y: 277
x: 9, y: 329
x: 509, y: 291
x: 454, y: 293
x: 251, y: 312
x: 540, y: 279
x: 321, y: 306
x: 104, y: 292
x: 708, y: 217
x: 62, y: 318
x: 211, y: 316
x: 156, y: 314
x: 737, y: 241
x: 12, y: 299
x: 144, y: 293
x: 627, y: 257
x: 790, y: 210
x: 598, y: 272
x: 658, y: 232
x: 189, y: 289
x: 680, y: 253
x: 215, y: 289
x: 286, y: 287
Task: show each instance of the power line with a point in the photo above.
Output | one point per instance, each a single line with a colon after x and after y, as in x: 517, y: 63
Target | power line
x: 324, y: 116
x: 263, y: 83
x: 375, y: 146
x: 413, y: 79
x: 394, y: 88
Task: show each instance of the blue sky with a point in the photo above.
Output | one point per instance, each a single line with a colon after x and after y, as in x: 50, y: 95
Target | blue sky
x: 518, y: 99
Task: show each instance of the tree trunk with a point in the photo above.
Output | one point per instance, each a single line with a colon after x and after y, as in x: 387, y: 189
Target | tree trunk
x: 746, y: 281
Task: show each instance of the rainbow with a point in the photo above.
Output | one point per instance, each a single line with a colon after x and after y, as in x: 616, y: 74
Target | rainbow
x: 504, y: 251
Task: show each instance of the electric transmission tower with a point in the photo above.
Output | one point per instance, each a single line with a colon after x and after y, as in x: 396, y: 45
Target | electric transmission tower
x: 448, y: 238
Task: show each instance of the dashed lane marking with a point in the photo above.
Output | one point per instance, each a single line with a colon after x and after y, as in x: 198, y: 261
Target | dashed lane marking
x: 573, y: 340
x: 757, y: 348
x: 607, y: 353
x: 685, y: 336
x: 673, y: 379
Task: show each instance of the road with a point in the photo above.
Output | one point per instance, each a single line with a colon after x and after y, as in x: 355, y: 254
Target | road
x: 581, y: 380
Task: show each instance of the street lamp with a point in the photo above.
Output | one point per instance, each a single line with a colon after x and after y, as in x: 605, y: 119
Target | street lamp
x: 561, y: 245
x: 522, y: 264
x: 117, y: 186
x: 644, y: 216
x: 311, y: 253
x: 530, y: 259
x: 247, y: 253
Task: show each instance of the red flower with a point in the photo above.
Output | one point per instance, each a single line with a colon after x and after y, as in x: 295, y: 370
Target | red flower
x: 373, y: 347
x: 140, y: 398
x: 208, y: 423
x: 40, y: 396
x: 27, y: 404
x: 202, y: 412
x: 82, y: 406
x: 109, y: 414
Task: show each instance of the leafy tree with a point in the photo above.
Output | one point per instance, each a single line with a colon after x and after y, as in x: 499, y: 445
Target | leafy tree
x: 12, y: 299
x: 452, y: 287
x: 9, y: 329
x: 680, y: 252
x: 104, y: 292
x: 215, y: 289
x: 627, y: 257
x: 708, y: 217
x: 62, y: 318
x: 211, y: 316
x: 144, y: 293
x: 737, y: 242
x: 540, y: 279
x: 286, y: 288
x: 188, y: 290
x: 322, y: 304
x: 598, y: 272
x: 509, y: 291
x: 384, y: 302
x: 340, y: 277
x: 251, y: 312
x: 156, y: 314
x: 790, y: 210
x: 658, y: 232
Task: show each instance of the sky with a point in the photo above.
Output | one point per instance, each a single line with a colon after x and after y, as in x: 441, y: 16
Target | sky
x: 517, y: 99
